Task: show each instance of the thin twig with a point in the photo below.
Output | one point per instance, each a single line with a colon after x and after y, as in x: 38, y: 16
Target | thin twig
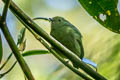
x: 3, y: 74
x: 6, y: 61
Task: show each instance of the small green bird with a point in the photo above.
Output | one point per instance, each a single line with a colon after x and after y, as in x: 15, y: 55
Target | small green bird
x: 67, y: 34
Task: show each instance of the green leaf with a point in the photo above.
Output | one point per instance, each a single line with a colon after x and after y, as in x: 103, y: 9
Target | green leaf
x: 1, y: 49
x: 35, y: 52
x: 22, y: 46
x: 105, y: 12
x: 21, y: 35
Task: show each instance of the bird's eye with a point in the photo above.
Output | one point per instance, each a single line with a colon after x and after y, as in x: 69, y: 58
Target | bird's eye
x: 59, y: 20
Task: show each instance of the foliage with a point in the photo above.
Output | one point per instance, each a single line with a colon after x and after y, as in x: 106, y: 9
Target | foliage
x: 105, y: 12
x: 35, y: 52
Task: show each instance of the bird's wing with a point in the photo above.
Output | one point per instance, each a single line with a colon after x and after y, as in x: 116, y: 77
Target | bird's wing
x: 81, y: 47
x: 78, y: 40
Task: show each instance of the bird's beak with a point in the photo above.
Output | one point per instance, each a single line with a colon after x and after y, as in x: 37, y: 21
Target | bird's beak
x: 43, y: 18
x: 51, y: 19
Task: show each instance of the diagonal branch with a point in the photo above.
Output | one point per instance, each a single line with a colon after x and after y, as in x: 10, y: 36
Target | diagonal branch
x: 59, y: 57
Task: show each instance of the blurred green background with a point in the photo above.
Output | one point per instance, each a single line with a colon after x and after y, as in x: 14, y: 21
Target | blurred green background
x: 101, y: 45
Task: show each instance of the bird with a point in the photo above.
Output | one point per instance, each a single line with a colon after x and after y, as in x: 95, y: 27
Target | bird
x: 69, y: 36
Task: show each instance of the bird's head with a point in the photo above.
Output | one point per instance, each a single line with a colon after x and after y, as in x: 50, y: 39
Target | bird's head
x: 56, y: 22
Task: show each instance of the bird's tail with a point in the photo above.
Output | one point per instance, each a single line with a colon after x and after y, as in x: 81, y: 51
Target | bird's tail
x: 87, y: 61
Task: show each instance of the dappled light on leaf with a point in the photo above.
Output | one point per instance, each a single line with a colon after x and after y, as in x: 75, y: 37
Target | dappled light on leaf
x: 109, y: 10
